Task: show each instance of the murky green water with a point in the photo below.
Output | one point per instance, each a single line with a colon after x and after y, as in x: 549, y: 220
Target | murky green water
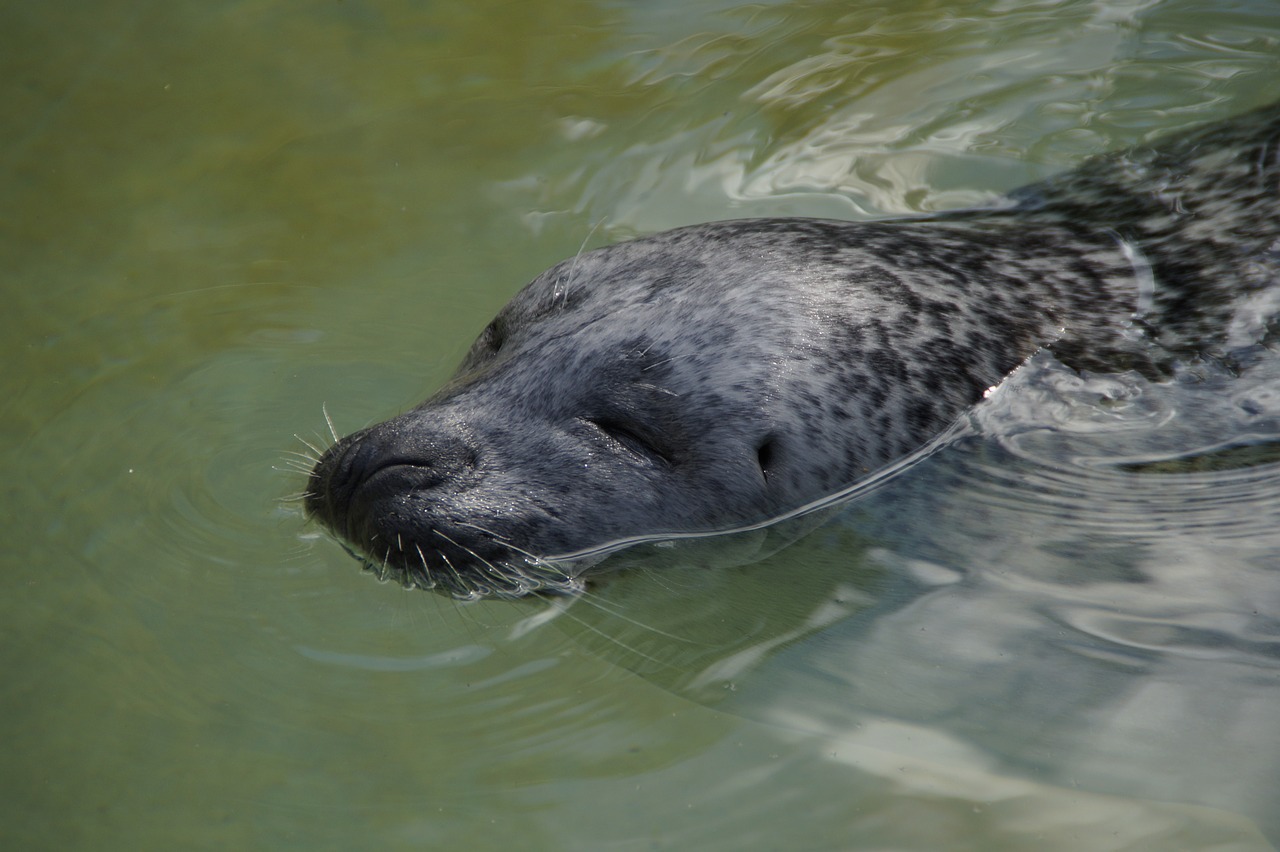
x: 218, y: 218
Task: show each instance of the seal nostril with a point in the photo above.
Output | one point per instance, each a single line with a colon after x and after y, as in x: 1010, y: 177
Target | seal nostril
x: 355, y: 464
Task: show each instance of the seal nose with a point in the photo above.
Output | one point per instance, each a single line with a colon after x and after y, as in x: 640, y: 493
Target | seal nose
x: 394, y: 458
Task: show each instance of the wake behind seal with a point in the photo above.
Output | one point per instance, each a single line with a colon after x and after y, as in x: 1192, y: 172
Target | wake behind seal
x: 723, y: 374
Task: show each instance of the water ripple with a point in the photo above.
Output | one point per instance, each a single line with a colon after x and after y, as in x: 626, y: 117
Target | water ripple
x: 1128, y: 457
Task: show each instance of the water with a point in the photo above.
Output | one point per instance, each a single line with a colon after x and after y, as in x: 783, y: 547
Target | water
x: 222, y: 218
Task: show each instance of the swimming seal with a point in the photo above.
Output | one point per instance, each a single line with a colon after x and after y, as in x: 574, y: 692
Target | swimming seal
x: 722, y: 374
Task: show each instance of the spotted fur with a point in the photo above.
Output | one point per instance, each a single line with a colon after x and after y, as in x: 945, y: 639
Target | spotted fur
x: 725, y: 373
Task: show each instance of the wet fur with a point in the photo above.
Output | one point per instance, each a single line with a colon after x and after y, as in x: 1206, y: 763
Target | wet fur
x: 721, y: 374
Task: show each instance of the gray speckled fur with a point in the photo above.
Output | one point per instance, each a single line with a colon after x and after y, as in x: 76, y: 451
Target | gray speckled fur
x: 721, y: 374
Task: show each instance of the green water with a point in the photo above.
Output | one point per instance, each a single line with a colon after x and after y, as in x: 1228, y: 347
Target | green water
x: 220, y: 220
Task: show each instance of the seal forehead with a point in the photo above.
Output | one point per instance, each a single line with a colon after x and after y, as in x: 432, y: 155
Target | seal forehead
x: 647, y: 292
x: 642, y: 272
x: 739, y: 274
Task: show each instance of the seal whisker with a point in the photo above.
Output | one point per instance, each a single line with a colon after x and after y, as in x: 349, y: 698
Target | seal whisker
x: 573, y: 267
x: 657, y: 388
x: 457, y: 576
x: 489, y: 566
x: 316, y: 452
x: 328, y: 420
x: 613, y: 639
x: 297, y: 462
x: 428, y: 580
x: 537, y: 560
x: 293, y: 466
x: 593, y: 600
x: 646, y: 368
x: 537, y: 572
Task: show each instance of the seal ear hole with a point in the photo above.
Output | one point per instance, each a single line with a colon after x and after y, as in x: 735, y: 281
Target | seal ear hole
x: 766, y: 455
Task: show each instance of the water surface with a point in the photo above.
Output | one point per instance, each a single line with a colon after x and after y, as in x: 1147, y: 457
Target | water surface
x: 1059, y: 632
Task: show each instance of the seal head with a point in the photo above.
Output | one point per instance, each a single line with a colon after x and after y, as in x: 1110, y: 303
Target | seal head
x: 695, y: 380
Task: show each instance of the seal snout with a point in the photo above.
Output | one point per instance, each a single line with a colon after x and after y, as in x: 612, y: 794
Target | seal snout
x: 403, y: 494
x: 358, y: 481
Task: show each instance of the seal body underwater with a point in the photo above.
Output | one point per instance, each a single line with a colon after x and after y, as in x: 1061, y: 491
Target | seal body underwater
x: 722, y: 374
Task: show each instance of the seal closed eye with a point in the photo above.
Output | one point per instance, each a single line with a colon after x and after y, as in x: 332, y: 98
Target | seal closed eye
x: 627, y: 438
x: 719, y: 375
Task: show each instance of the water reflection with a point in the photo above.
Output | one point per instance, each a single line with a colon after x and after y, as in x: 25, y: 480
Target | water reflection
x: 1080, y: 594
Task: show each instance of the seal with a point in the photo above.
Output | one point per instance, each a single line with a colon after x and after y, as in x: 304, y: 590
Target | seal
x: 719, y: 375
